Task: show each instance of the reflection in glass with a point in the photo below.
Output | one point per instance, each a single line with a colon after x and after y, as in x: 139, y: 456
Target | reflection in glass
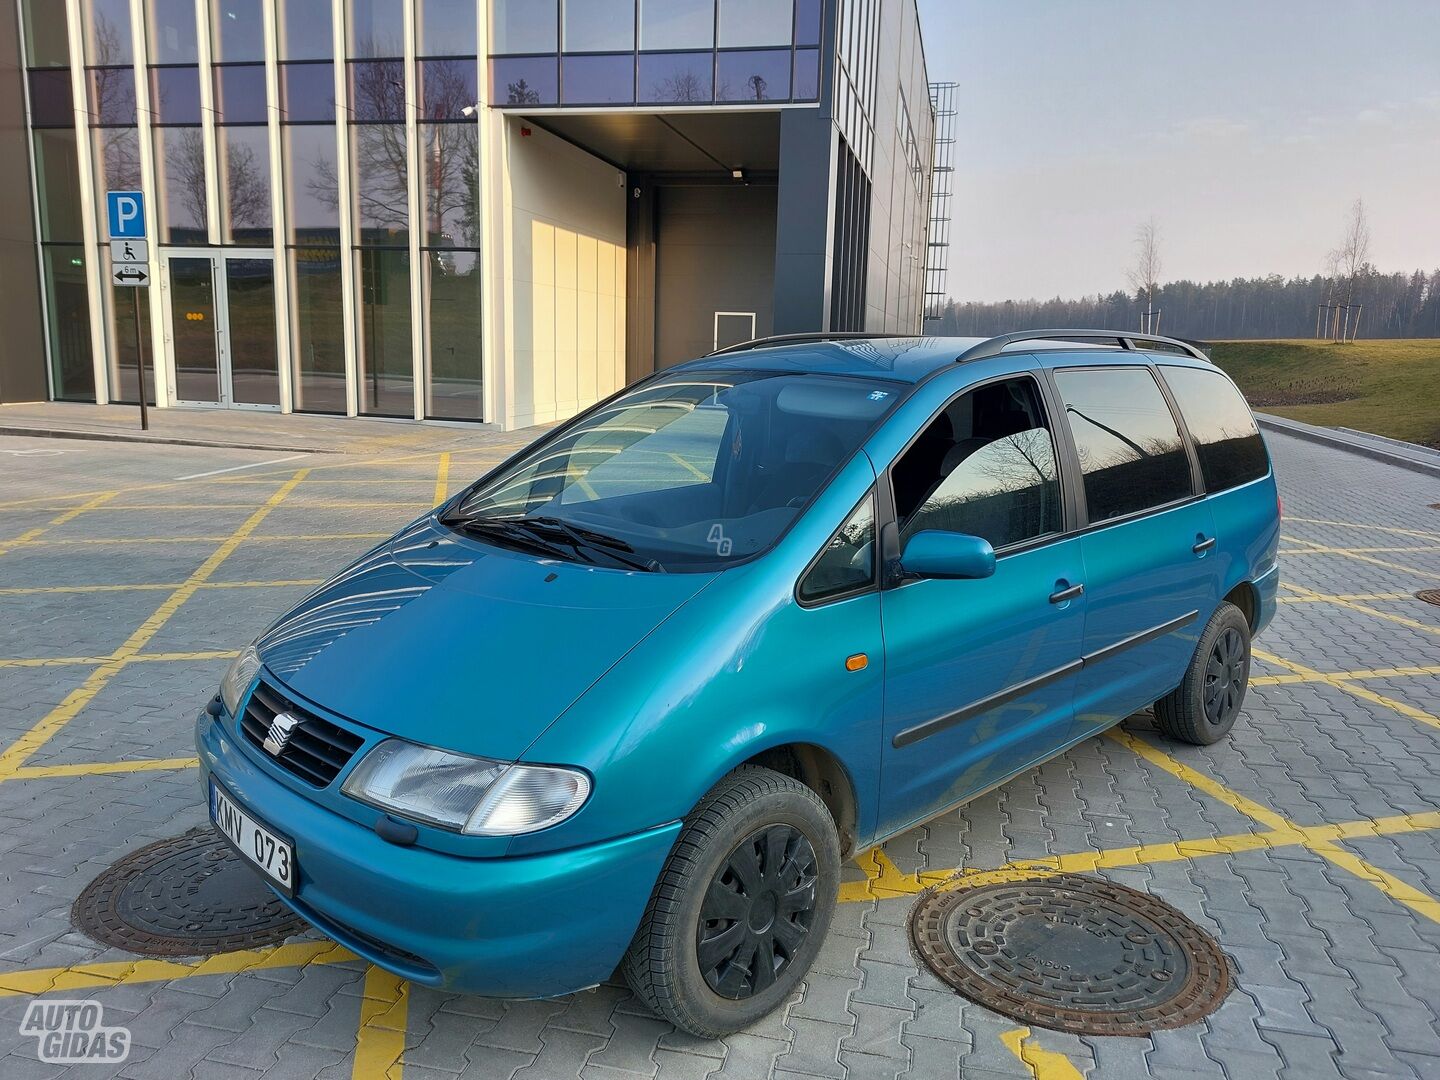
x: 755, y: 22
x: 250, y: 321
x: 317, y: 329
x: 244, y: 184
x: 445, y: 28
x: 1227, y: 442
x: 240, y: 94
x: 180, y: 178
x: 807, y: 74
x: 847, y: 563
x: 677, y: 24
x: 446, y: 87
x: 68, y: 305
x: 753, y: 76
x: 50, y: 102
x: 239, y: 30
x: 112, y: 95
x: 527, y: 81
x: 307, y: 92
x: 600, y: 26
x: 192, y: 329
x: 304, y: 30
x: 683, y: 77
x: 175, y: 95
x: 377, y: 28
x: 46, y: 44
x: 377, y: 90
x: 807, y: 22
x: 452, y: 362
x: 386, y: 377
x: 596, y: 80
x: 120, y: 308
x: 57, y: 180
x: 107, y: 32
x: 311, y: 185
x: 381, y: 209
x: 523, y: 26
x: 450, y: 184
x: 117, y: 165
x: 171, y: 28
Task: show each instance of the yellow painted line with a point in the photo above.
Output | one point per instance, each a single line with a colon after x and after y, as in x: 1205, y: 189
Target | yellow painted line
x: 13, y: 757
x: 160, y: 587
x: 1370, y: 673
x: 1376, y: 528
x: 1043, y: 1064
x: 1317, y: 598
x: 1216, y: 790
x: 380, y: 1038
x: 1397, y: 889
x: 138, y: 658
x: 33, y: 535
x: 126, y: 972
x: 101, y: 768
x: 1401, y: 620
x: 442, y: 480
x: 101, y: 541
x: 308, y: 504
x: 1320, y: 549
x: 1354, y: 689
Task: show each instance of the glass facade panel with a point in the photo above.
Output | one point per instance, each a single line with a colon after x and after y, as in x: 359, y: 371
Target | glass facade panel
x: 57, y: 182
x: 524, y: 81
x: 51, y: 104
x: 239, y: 29
x: 192, y: 329
x: 240, y: 94
x: 117, y: 166
x: 445, y: 28
x: 449, y: 184
x: 317, y: 329
x: 377, y: 27
x: 378, y: 177
x: 598, y: 80
x: 753, y: 76
x: 250, y: 319
x: 120, y: 313
x: 748, y: 23
x: 107, y: 32
x: 679, y: 77
x: 386, y: 376
x: 304, y: 30
x: 677, y: 24
x: 523, y: 26
x: 377, y: 90
x: 171, y: 27
x: 452, y: 361
x: 807, y: 22
x: 69, y: 310
x: 599, y: 25
x: 175, y: 94
x: 45, y: 29
x: 244, y: 184
x: 311, y: 185
x: 180, y: 177
x: 112, y: 95
x: 446, y: 87
x: 307, y: 92
x: 807, y: 74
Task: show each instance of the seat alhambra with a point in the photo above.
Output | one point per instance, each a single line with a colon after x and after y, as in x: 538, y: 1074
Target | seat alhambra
x: 629, y: 699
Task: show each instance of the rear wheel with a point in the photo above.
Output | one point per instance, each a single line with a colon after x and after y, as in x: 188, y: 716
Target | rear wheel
x: 1203, y: 708
x: 741, y: 907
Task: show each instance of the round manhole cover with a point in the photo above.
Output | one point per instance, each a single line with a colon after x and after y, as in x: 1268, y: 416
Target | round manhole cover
x: 1430, y: 596
x: 188, y: 896
x: 1072, y: 953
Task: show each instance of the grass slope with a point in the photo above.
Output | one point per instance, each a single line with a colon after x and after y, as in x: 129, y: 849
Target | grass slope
x: 1388, y: 387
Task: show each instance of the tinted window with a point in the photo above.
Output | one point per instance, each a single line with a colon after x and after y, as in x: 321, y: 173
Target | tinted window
x: 1226, y: 439
x: 985, y: 466
x: 848, y: 562
x: 1130, y: 450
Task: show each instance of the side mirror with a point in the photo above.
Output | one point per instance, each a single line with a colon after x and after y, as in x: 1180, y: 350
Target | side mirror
x: 936, y: 554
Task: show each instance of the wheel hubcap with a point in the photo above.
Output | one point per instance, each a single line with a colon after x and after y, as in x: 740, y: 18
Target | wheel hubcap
x: 757, y: 912
x: 1225, y: 677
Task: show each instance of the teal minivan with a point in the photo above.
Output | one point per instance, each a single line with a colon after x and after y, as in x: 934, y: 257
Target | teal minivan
x: 630, y: 698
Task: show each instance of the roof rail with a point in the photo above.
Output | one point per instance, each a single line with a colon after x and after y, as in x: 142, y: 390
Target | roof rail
x: 796, y: 339
x: 1132, y: 342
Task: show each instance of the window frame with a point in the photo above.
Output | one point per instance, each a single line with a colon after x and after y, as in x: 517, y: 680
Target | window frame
x: 878, y: 508
x: 1197, y: 469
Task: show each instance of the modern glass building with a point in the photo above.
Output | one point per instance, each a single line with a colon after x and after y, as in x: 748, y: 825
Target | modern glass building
x: 450, y: 209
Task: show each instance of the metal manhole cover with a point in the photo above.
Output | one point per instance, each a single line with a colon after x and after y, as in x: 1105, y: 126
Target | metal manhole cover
x: 1072, y: 953
x: 188, y: 896
x: 1430, y: 596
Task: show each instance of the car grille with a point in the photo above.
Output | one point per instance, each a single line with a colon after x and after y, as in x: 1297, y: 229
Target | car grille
x: 317, y: 749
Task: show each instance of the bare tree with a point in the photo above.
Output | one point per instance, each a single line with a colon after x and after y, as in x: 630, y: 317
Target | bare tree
x: 1145, y: 274
x: 1352, y: 260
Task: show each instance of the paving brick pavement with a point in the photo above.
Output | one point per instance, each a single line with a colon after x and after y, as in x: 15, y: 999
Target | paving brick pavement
x: 1330, y: 919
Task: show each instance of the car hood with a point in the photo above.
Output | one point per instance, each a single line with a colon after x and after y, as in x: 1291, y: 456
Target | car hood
x: 453, y: 643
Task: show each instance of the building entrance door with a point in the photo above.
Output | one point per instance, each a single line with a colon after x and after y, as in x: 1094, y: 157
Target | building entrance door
x: 221, y: 328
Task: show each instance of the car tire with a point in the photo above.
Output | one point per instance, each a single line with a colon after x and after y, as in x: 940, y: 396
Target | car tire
x: 760, y: 850
x: 1203, y: 708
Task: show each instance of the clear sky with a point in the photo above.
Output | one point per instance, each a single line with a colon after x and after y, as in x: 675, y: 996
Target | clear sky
x: 1245, y: 127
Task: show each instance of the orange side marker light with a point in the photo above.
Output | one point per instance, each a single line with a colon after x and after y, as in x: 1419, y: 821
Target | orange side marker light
x: 858, y: 662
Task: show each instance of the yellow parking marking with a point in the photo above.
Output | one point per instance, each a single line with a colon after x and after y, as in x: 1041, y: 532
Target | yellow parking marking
x: 1216, y: 790
x: 159, y: 587
x: 1357, y: 525
x: 101, y: 768
x: 13, y: 757
x: 1043, y: 1064
x: 1397, y: 889
x: 1321, y: 549
x: 298, y: 504
x: 380, y: 1039
x: 138, y: 658
x: 442, y: 480
x: 32, y: 535
x: 1370, y: 673
x: 1354, y: 689
x: 1401, y: 620
x: 101, y: 541
x: 1318, y: 598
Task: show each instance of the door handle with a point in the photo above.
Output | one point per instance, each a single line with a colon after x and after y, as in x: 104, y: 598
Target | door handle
x: 1070, y: 593
x: 1202, y: 545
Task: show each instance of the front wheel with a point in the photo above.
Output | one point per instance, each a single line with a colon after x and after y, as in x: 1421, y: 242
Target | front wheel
x: 741, y: 907
x: 1203, y: 708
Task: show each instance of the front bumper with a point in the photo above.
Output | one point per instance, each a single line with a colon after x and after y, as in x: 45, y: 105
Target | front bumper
x: 520, y: 927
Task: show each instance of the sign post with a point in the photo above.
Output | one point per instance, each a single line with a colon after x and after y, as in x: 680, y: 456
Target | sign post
x: 130, y: 267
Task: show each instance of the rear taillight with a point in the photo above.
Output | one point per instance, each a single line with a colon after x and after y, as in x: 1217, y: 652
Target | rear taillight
x: 1279, y: 507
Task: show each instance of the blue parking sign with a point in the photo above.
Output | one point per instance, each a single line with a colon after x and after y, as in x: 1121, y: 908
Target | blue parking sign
x: 127, y: 214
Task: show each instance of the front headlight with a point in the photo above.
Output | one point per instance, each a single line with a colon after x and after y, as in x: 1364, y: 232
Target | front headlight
x: 238, y: 679
x: 471, y: 795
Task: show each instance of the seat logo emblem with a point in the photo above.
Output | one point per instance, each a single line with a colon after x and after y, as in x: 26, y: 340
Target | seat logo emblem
x: 278, y: 735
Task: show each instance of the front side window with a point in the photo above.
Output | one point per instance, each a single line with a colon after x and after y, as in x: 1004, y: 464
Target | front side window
x: 985, y: 466
x: 693, y: 470
x: 847, y: 565
x: 1226, y: 439
x: 1131, y: 454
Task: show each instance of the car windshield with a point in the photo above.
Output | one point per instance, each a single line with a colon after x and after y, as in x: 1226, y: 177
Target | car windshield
x: 691, y: 471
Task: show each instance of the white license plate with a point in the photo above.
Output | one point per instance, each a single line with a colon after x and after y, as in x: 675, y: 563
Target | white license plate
x: 268, y: 850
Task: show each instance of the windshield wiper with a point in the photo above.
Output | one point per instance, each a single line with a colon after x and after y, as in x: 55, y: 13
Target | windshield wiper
x: 611, y: 546
x: 553, y: 536
x: 507, y: 531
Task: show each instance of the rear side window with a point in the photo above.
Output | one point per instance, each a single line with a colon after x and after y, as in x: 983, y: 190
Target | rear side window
x: 1131, y: 454
x: 1226, y: 439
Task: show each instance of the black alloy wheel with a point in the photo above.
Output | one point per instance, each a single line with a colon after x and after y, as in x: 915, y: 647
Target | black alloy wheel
x: 1225, y: 675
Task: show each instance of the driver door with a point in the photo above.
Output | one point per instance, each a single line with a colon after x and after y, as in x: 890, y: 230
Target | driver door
x: 980, y: 674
